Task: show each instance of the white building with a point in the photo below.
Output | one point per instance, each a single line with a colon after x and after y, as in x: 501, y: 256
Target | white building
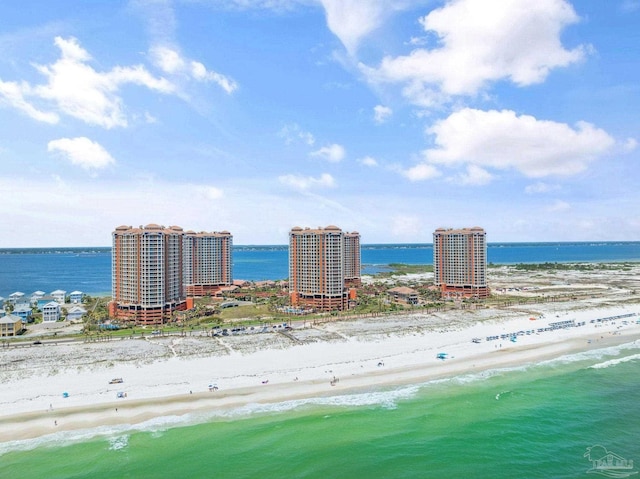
x: 59, y: 296
x: 76, y: 313
x: 75, y: 297
x: 15, y: 298
x: 51, y: 312
x: 35, y: 296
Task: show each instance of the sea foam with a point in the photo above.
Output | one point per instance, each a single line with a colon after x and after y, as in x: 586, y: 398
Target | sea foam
x: 613, y: 362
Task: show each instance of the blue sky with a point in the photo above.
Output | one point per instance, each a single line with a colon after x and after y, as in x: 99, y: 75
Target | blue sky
x: 387, y: 117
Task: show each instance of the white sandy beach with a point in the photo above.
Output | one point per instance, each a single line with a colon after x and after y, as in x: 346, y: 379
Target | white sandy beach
x: 166, y: 376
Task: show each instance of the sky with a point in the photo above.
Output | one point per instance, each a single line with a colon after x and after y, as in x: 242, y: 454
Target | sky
x: 387, y: 117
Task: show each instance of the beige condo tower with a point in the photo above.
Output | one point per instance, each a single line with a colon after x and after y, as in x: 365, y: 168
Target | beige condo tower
x: 318, y: 267
x: 460, y: 262
x: 156, y: 270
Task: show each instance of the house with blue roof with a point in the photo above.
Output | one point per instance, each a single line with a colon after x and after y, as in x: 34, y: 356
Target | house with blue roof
x: 24, y: 312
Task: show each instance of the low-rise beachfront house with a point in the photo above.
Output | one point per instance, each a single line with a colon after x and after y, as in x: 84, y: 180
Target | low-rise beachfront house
x: 76, y: 313
x: 43, y: 301
x: 51, y: 312
x: 15, y: 298
x: 75, y: 297
x: 403, y: 294
x: 24, y: 312
x: 35, y: 296
x: 59, y: 296
x: 10, y: 325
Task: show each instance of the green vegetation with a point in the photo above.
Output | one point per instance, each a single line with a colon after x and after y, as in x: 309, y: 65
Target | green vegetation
x: 252, y: 312
x: 572, y: 266
x: 400, y: 269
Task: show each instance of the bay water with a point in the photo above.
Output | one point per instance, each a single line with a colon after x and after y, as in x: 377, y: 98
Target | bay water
x: 89, y: 269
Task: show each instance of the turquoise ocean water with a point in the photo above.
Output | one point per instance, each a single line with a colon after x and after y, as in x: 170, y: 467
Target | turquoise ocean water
x: 535, y: 421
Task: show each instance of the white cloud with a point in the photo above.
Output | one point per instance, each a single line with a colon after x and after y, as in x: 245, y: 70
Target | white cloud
x: 76, y: 89
x: 381, y: 113
x: 480, y: 43
x: 421, y: 171
x: 12, y: 94
x: 368, y: 161
x: 474, y: 176
x: 333, y: 153
x: 293, y: 132
x: 503, y: 140
x: 170, y: 61
x: 299, y: 182
x: 84, y: 93
x: 352, y: 20
x: 418, y: 41
x: 82, y: 152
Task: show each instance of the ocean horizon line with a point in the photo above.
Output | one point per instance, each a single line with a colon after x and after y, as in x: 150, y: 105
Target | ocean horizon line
x: 494, y: 244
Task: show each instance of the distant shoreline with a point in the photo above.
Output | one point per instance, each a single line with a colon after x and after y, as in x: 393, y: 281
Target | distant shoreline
x: 64, y: 249
x: 89, y: 269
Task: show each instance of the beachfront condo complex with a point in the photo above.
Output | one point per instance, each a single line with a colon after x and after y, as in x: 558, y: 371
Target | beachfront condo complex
x: 155, y: 267
x: 460, y: 262
x: 319, y: 262
x: 207, y: 262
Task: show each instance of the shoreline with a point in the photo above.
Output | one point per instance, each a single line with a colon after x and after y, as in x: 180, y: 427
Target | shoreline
x: 176, y: 385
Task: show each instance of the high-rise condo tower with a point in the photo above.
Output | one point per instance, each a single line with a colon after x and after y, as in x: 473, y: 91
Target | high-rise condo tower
x: 460, y: 262
x: 317, y: 267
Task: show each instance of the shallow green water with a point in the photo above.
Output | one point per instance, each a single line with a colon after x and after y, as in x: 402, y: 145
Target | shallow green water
x: 531, y: 422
